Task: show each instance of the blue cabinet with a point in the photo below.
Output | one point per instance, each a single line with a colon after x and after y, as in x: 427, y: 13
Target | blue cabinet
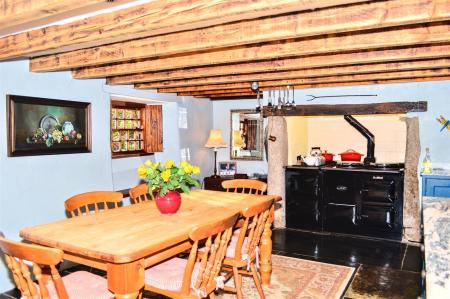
x: 436, y: 185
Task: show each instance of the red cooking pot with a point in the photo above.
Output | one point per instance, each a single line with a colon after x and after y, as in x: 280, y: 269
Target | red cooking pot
x: 328, y: 156
x: 351, y: 155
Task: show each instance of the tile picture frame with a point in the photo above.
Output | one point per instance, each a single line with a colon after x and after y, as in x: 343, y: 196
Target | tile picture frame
x: 42, y: 126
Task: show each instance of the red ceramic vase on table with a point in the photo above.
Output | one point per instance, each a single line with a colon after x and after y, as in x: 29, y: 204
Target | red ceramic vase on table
x: 169, y: 203
x: 165, y: 180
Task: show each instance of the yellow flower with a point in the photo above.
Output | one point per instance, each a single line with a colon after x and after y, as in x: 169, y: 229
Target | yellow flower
x: 169, y: 164
x: 148, y: 163
x: 166, y: 175
x: 142, y: 171
x: 196, y: 170
x: 184, y: 164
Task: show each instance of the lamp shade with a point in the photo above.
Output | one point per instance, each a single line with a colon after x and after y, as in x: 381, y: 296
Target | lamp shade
x: 215, y: 139
x: 237, y: 139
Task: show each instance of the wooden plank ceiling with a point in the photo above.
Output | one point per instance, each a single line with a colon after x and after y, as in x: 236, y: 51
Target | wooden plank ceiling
x: 215, y: 49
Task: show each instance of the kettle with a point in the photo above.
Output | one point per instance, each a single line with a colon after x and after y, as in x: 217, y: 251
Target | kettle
x: 315, y: 151
x: 314, y: 160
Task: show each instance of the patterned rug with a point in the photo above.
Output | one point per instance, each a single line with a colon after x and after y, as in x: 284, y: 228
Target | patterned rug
x: 294, y: 278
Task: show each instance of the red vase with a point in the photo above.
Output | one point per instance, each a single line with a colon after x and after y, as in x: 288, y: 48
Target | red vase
x: 169, y: 203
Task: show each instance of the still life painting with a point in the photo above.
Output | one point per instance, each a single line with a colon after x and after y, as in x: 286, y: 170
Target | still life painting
x: 39, y: 126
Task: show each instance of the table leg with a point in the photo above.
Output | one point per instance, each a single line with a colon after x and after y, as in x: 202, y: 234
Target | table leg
x: 126, y: 281
x: 266, y: 250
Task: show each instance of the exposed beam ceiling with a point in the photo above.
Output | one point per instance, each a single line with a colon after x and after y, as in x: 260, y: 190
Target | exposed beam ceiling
x: 301, y: 63
x: 17, y: 15
x: 216, y: 48
x: 430, y: 34
x: 298, y: 25
x: 154, y: 18
x: 224, y: 87
x: 368, y: 69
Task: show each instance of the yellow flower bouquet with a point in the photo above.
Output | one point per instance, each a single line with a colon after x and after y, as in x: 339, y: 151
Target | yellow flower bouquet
x: 162, y: 178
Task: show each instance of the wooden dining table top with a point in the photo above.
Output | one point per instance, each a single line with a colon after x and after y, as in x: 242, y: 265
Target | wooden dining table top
x: 133, y: 232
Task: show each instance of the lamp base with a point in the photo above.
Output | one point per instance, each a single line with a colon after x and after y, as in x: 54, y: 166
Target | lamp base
x: 215, y: 176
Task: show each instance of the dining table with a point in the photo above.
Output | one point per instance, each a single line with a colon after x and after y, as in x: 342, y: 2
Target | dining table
x: 127, y: 240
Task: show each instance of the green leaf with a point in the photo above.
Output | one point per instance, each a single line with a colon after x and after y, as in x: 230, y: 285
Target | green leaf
x: 185, y: 188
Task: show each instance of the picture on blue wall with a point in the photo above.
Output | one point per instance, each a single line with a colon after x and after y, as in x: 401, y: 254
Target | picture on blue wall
x: 40, y: 126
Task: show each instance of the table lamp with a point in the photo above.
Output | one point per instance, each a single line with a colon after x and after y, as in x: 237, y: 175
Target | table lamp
x: 238, y: 142
x: 215, y: 141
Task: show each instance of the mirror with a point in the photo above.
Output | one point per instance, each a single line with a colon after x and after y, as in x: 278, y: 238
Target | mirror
x: 246, y: 135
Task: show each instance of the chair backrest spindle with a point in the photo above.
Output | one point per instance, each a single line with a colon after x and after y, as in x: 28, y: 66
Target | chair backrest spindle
x: 246, y: 186
x: 17, y: 253
x: 92, y: 202
x: 139, y: 194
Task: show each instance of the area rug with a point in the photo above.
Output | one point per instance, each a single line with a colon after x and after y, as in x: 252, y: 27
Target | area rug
x: 294, y: 278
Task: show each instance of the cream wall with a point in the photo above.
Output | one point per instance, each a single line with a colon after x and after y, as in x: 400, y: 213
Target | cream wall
x: 334, y: 134
x: 297, y: 137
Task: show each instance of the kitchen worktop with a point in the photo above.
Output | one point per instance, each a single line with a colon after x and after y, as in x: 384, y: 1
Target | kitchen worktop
x: 436, y: 218
x: 438, y: 172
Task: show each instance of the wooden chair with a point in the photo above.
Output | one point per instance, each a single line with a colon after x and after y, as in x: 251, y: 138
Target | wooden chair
x: 92, y: 202
x: 242, y: 255
x: 245, y: 186
x: 139, y: 194
x: 199, y: 275
x: 77, y: 285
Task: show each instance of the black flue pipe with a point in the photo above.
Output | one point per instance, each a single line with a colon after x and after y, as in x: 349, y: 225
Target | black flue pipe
x: 370, y: 157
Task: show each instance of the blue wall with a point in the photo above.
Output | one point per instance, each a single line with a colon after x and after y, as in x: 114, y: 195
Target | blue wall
x: 33, y: 189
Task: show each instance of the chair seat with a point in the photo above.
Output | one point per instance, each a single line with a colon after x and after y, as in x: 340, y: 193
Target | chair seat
x: 169, y: 274
x: 82, y: 285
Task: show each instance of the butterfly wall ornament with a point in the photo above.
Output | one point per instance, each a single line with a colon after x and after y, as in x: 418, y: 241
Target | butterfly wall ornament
x: 445, y: 123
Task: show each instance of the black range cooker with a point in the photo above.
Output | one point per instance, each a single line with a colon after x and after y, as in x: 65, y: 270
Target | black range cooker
x: 350, y: 197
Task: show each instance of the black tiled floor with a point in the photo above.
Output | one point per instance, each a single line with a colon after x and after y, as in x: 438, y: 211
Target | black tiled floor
x: 378, y: 282
x: 350, y: 250
x: 384, y: 269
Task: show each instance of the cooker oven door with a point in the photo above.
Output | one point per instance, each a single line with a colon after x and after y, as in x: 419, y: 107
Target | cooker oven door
x: 378, y: 217
x: 340, y: 218
x: 378, y: 188
x: 340, y: 202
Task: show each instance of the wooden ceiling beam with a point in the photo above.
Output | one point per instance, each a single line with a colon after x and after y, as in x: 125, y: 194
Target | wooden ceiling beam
x: 411, y: 36
x: 327, y: 21
x: 235, y: 90
x: 275, y: 85
x: 332, y: 60
x: 150, y: 19
x: 19, y: 12
x: 225, y: 94
x: 311, y: 73
x: 354, y: 109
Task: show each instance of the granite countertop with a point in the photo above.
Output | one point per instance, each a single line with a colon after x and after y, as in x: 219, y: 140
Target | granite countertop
x: 436, y: 219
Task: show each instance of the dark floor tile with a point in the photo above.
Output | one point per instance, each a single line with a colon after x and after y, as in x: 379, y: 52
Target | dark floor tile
x: 412, y: 260
x: 354, y: 250
x: 379, y: 282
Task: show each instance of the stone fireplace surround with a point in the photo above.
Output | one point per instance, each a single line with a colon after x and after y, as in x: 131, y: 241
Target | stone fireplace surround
x: 278, y: 158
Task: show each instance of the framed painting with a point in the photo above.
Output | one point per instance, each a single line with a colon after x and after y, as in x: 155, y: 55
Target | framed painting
x: 227, y: 168
x: 40, y: 126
